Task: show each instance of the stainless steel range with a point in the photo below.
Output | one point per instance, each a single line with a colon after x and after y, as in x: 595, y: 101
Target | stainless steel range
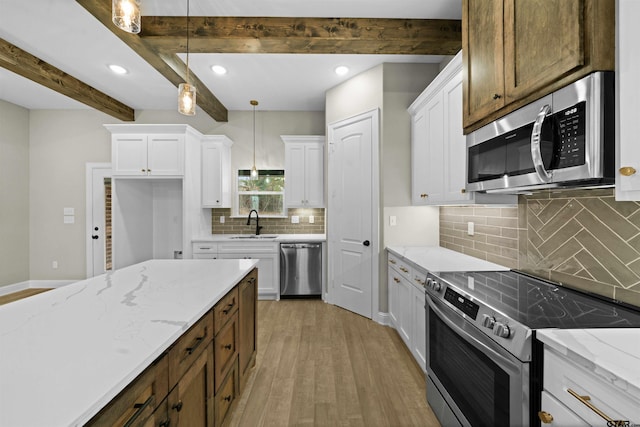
x: 484, y: 366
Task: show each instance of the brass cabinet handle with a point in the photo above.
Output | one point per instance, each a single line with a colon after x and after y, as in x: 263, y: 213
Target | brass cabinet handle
x: 139, y: 407
x: 424, y: 196
x: 392, y: 261
x: 177, y: 406
x: 627, y: 171
x: 545, y: 417
x: 585, y: 400
x: 395, y: 279
x: 404, y: 269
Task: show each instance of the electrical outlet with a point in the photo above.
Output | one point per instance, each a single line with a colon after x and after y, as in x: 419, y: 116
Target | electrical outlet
x: 54, y: 264
x: 393, y: 221
x: 221, y: 219
x: 312, y: 220
x: 470, y: 228
x: 295, y: 219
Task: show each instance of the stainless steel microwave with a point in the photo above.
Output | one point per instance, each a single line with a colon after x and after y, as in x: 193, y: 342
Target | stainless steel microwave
x: 565, y: 139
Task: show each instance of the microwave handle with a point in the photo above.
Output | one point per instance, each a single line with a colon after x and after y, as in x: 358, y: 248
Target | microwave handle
x: 536, y: 155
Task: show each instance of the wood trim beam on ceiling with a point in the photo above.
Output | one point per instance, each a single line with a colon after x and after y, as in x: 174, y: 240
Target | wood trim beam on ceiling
x: 169, y: 65
x: 303, y: 35
x: 26, y: 65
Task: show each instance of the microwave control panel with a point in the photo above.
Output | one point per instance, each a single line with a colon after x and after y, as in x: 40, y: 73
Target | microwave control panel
x: 570, y: 128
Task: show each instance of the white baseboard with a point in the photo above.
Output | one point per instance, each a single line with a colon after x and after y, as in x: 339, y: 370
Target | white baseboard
x: 29, y: 284
x: 383, y: 318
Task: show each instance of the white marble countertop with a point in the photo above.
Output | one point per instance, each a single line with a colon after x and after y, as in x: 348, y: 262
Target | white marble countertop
x: 65, y: 353
x: 611, y: 354
x: 436, y: 258
x: 280, y: 238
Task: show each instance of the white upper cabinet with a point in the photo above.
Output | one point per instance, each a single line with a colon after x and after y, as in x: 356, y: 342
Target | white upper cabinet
x: 304, y: 170
x: 627, y: 70
x: 149, y: 150
x: 438, y: 145
x: 216, y: 171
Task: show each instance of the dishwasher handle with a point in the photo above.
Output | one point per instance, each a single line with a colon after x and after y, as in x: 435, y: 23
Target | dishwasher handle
x: 300, y: 245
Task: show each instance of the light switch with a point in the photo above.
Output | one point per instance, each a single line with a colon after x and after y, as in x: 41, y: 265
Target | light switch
x: 393, y: 221
x: 312, y: 220
x: 69, y: 219
x: 470, y: 229
x: 221, y: 219
x: 69, y: 211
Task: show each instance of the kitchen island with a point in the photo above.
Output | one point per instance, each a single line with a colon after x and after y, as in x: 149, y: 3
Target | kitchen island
x: 65, y: 354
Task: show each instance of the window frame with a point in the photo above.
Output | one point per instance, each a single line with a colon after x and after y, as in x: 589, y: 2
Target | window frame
x: 237, y: 193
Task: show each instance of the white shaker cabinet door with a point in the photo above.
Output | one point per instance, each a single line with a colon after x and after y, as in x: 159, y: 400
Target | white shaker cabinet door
x: 129, y: 155
x: 627, y: 71
x: 165, y: 155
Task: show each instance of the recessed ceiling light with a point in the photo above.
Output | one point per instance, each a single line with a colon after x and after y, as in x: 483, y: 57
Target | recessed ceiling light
x: 341, y: 70
x: 118, y: 69
x: 219, y: 69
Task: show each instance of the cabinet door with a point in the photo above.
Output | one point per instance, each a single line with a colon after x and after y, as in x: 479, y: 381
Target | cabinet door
x: 628, y: 56
x: 268, y: 271
x: 247, y: 295
x: 165, y: 155
x: 434, y: 165
x: 211, y: 176
x: 405, y: 315
x: 314, y: 175
x: 191, y: 400
x: 483, y: 56
x: 129, y: 155
x: 419, y: 157
x: 393, y: 282
x: 295, y: 175
x: 535, y: 53
x: 419, y: 339
x: 455, y: 143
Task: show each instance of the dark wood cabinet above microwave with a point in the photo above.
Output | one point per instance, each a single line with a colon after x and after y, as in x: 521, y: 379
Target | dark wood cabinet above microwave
x: 516, y: 51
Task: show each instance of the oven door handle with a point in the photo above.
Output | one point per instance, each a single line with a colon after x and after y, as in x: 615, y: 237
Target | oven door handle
x: 506, y: 363
x: 536, y: 153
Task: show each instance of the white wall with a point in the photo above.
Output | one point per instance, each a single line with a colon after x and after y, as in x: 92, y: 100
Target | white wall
x: 14, y: 194
x: 63, y: 141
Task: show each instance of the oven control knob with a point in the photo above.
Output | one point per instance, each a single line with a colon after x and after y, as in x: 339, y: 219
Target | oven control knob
x: 435, y: 285
x: 501, y: 330
x: 488, y: 321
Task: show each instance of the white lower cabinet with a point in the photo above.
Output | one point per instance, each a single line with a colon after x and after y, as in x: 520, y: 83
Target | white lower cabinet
x: 406, y: 305
x: 575, y: 396
x: 267, y: 253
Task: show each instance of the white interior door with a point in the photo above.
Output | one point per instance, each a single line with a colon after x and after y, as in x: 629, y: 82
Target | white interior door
x: 353, y: 213
x: 96, y: 218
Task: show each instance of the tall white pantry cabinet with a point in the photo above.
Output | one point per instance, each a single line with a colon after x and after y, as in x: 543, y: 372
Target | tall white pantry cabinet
x: 156, y: 191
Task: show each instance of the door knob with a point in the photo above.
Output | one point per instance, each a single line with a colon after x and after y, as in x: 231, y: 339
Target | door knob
x: 94, y: 237
x: 366, y: 243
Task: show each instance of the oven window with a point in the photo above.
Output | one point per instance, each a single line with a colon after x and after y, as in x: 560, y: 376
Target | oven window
x: 479, y: 387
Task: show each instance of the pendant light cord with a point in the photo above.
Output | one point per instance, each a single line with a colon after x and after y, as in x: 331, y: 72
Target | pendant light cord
x: 254, y: 136
x: 187, y: 41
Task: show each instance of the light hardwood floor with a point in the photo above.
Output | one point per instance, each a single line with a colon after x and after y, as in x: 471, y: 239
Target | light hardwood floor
x: 321, y: 365
x: 15, y: 296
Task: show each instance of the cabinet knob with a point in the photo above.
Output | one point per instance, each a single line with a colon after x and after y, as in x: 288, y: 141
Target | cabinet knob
x: 143, y: 170
x: 497, y: 96
x: 627, y: 171
x: 228, y: 347
x: 227, y: 398
x: 545, y: 417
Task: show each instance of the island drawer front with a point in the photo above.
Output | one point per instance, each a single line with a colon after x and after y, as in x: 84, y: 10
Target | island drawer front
x: 227, y: 395
x: 561, y: 374
x: 189, y: 346
x: 225, y: 308
x: 136, y: 403
x: 225, y: 350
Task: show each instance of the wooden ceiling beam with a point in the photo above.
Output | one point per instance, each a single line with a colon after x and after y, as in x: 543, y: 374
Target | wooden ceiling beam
x: 26, y: 65
x: 169, y: 65
x: 303, y: 35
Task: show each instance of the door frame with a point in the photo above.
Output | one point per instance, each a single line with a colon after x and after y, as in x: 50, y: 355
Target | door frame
x: 89, y: 168
x: 374, y: 115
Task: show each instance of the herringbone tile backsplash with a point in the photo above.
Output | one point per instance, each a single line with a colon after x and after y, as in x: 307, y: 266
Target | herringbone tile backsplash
x: 581, y: 238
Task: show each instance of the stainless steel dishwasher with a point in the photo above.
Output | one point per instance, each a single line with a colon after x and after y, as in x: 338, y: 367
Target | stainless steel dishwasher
x: 300, y: 270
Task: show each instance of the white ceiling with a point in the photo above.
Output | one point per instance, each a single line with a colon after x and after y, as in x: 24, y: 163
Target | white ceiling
x: 64, y: 34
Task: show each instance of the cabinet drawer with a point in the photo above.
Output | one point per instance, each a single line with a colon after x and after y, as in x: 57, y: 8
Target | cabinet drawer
x: 419, y: 278
x: 225, y: 308
x: 204, y: 248
x: 559, y: 414
x: 225, y: 349
x: 136, y: 404
x: 400, y: 266
x: 187, y: 349
x: 226, y: 396
x: 562, y: 374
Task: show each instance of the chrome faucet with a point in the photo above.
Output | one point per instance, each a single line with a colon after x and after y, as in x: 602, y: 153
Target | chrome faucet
x: 258, y: 226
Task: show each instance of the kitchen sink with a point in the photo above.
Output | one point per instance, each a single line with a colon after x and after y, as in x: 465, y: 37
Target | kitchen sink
x: 253, y: 236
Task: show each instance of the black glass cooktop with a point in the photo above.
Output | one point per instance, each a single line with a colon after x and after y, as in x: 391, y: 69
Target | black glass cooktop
x: 540, y: 304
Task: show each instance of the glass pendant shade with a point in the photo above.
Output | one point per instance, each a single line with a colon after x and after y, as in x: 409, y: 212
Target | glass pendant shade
x: 254, y: 172
x: 125, y: 14
x: 187, y: 99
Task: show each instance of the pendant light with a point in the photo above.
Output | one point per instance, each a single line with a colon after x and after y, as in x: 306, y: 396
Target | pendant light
x: 125, y: 14
x: 254, y: 170
x: 186, y: 91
